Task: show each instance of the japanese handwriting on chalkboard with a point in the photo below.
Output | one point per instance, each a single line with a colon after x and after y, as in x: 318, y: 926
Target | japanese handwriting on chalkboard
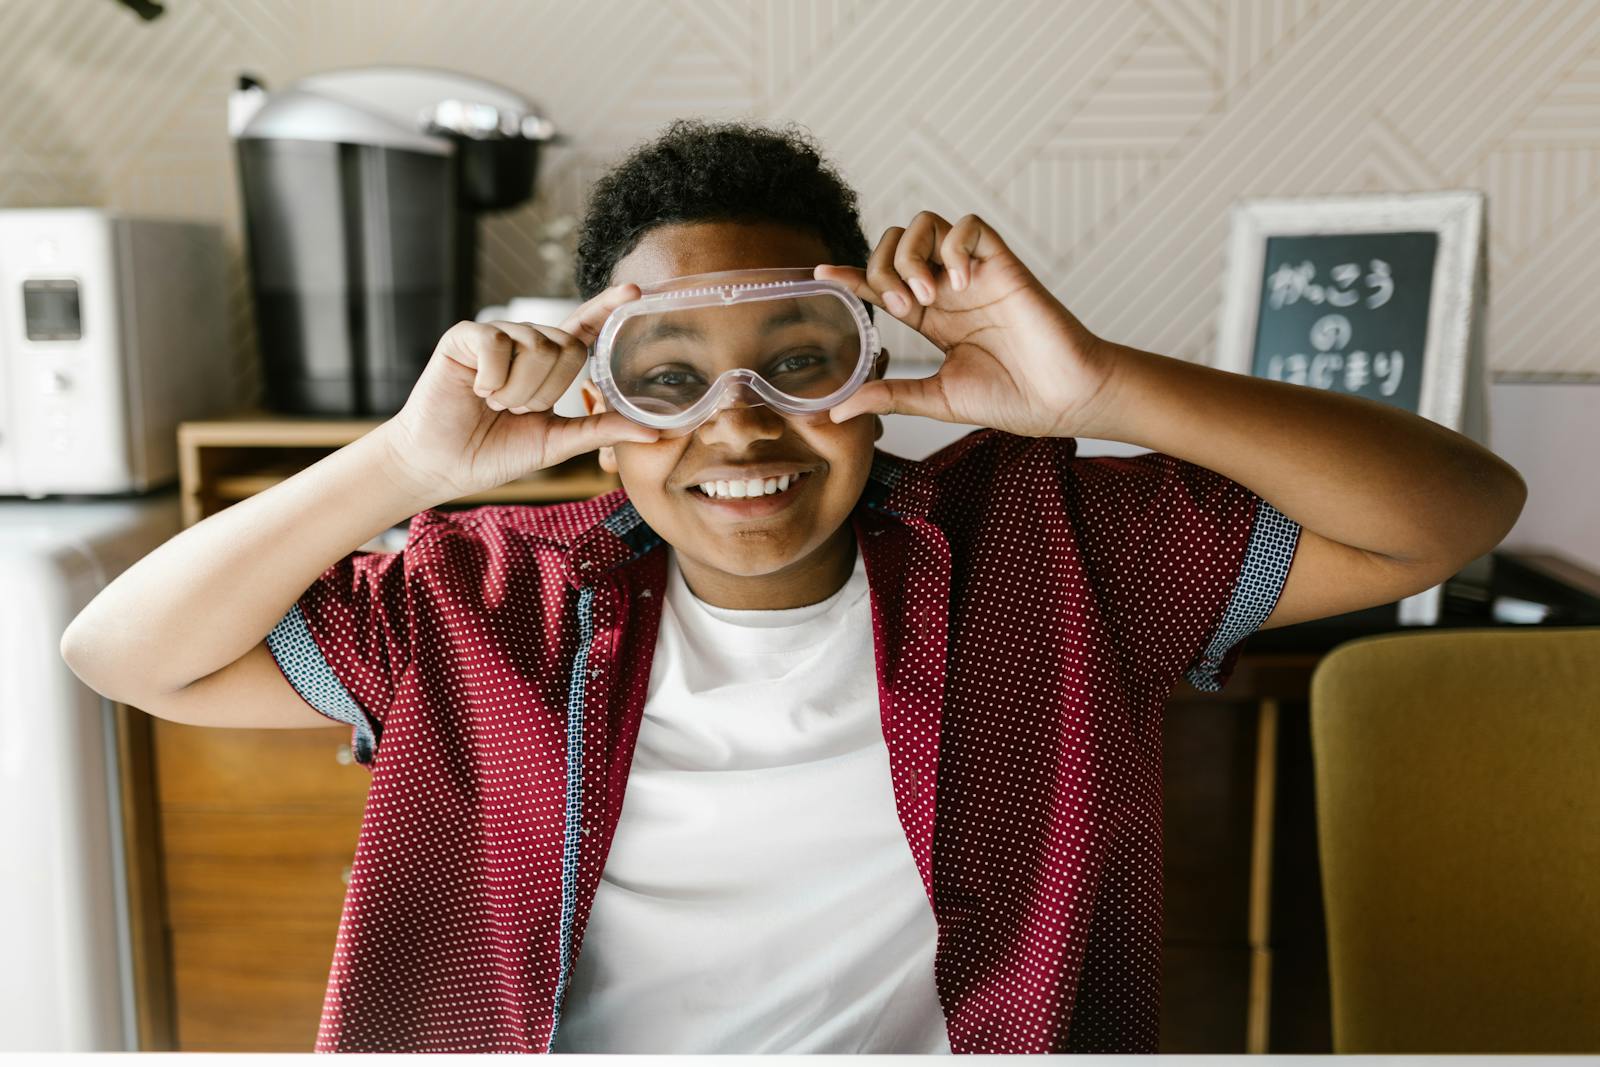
x: 1291, y: 284
x: 1323, y: 368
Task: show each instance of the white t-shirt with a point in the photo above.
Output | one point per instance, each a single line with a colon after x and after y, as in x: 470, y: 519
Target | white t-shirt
x: 759, y: 895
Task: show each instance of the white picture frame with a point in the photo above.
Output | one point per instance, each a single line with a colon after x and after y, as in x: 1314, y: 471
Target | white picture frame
x: 1453, y: 390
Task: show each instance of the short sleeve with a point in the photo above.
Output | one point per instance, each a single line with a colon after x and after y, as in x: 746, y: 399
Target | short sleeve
x: 1267, y: 556
x: 346, y: 642
x: 1186, y: 563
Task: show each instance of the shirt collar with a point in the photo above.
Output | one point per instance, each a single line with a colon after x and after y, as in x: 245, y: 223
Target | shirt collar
x: 895, y: 486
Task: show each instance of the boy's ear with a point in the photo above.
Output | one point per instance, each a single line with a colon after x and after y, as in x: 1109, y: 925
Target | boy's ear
x: 593, y: 402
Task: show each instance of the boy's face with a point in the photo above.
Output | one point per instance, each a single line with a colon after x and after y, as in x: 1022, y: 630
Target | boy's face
x: 770, y: 538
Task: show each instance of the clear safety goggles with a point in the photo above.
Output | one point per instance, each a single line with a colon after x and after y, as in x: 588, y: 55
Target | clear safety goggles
x: 689, y: 347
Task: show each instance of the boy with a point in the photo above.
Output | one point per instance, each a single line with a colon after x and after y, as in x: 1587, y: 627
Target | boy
x: 889, y: 736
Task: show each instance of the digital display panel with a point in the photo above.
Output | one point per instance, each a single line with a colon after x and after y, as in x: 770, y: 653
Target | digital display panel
x: 51, y: 309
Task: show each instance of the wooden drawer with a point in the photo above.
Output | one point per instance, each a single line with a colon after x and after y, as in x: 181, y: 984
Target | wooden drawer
x: 217, y: 768
x: 261, y: 867
x: 250, y: 987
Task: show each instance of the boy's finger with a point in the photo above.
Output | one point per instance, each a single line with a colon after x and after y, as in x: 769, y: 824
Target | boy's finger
x: 884, y: 279
x: 969, y: 239
x: 565, y: 438
x: 896, y: 301
x: 484, y: 348
x: 564, y: 369
x: 917, y: 248
x: 585, y: 322
x: 563, y: 372
x: 531, y: 359
x: 853, y: 277
x: 895, y: 396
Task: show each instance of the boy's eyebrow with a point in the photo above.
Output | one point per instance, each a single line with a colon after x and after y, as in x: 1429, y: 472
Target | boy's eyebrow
x: 798, y: 311
x: 666, y: 330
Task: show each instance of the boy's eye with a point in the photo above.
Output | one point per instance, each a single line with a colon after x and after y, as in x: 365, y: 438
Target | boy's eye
x: 664, y: 376
x: 797, y: 361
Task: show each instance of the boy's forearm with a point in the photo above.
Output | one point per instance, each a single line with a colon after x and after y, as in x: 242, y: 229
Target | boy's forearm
x: 1353, y: 470
x: 212, y: 592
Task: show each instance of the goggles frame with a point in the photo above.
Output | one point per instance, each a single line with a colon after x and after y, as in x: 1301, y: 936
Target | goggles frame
x: 718, y: 289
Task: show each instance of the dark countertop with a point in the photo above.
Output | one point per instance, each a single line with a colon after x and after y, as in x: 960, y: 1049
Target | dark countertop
x: 1571, y: 590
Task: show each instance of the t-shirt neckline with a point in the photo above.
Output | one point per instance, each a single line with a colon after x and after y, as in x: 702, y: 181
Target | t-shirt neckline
x: 765, y: 629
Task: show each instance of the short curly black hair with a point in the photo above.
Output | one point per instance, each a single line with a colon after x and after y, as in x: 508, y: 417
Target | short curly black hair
x: 700, y: 171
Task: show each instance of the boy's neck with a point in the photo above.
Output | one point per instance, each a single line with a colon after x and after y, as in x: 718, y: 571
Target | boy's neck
x: 805, y: 581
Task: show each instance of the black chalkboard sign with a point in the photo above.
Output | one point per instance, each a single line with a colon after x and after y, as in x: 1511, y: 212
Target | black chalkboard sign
x: 1347, y: 312
x: 1338, y: 293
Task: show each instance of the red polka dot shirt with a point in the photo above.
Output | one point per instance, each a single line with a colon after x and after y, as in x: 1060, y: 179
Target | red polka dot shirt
x: 1031, y: 612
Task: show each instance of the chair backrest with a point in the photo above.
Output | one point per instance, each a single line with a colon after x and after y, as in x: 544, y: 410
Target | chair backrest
x: 1458, y: 817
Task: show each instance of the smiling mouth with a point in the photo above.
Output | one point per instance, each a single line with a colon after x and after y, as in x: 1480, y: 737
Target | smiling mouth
x: 750, y: 489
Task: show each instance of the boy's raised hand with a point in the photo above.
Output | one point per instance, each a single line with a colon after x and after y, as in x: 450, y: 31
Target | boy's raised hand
x: 1014, y: 357
x: 480, y: 414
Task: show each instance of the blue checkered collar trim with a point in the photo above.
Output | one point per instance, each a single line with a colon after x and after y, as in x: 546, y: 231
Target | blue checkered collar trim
x: 622, y: 536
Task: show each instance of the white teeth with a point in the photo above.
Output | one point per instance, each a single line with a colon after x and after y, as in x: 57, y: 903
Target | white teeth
x: 743, y: 487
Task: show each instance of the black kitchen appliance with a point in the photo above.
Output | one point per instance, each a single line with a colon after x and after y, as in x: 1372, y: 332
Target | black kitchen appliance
x: 362, y: 190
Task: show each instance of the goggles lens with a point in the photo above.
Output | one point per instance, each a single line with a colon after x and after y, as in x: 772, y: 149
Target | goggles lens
x: 807, y: 347
x: 804, y: 340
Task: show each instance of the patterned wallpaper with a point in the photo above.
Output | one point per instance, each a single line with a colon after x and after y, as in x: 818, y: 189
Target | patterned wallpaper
x: 1104, y: 139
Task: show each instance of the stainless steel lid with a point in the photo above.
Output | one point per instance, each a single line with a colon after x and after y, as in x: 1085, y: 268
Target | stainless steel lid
x: 405, y: 107
x: 483, y: 121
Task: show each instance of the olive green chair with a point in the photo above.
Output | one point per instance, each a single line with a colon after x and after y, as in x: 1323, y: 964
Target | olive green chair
x: 1458, y: 818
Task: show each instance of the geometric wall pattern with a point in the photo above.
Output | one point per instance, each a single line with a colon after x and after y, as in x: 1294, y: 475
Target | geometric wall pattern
x: 1105, y: 139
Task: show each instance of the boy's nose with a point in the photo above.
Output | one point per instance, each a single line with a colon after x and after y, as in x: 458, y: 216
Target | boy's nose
x: 741, y: 422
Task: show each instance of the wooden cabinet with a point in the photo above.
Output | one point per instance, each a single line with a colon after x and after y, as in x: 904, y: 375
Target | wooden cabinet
x: 257, y: 830
x: 1244, y: 955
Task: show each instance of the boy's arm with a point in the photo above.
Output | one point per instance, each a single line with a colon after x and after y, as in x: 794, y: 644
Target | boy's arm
x: 1389, y: 503
x: 209, y: 596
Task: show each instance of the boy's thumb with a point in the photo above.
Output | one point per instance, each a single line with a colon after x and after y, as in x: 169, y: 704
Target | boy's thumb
x: 894, y: 396
x: 575, y: 436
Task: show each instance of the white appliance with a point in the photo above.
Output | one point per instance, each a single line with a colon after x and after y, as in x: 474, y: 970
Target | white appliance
x: 65, y: 963
x: 112, y: 331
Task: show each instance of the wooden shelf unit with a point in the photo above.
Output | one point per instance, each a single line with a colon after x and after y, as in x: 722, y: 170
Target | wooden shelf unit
x: 222, y: 461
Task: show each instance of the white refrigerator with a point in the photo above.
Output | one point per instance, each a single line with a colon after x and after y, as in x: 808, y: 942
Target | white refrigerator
x: 65, y: 962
